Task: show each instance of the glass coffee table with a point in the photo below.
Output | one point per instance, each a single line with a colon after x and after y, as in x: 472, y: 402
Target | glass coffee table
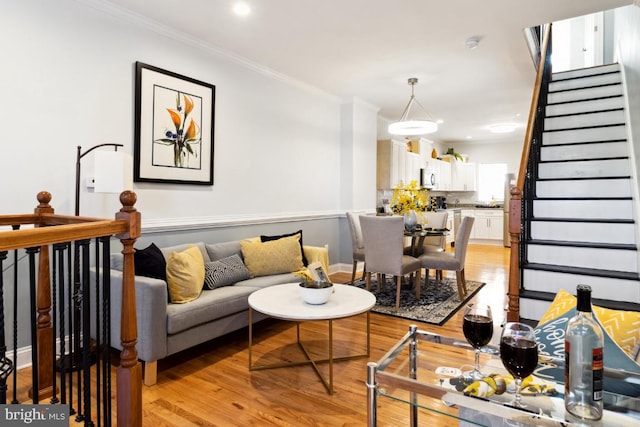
x: 284, y: 302
x: 423, y: 369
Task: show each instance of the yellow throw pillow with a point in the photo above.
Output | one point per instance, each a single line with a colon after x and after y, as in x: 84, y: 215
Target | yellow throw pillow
x: 185, y: 275
x: 273, y: 257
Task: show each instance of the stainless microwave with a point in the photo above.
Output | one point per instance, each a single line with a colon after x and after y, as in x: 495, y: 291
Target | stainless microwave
x: 428, y: 178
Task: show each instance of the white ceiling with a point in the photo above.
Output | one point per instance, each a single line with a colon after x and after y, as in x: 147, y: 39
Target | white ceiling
x: 367, y: 49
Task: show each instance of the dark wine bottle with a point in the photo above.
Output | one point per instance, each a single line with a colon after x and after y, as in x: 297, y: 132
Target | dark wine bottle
x: 584, y: 362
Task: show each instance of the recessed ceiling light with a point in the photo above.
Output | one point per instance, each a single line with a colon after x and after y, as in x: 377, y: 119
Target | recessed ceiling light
x: 241, y: 9
x: 503, y: 127
x: 439, y: 121
x: 468, y: 137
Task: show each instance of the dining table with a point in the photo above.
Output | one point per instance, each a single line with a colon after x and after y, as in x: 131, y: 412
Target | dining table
x: 418, y: 235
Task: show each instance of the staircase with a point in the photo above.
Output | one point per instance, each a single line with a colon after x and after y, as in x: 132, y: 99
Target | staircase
x: 579, y: 224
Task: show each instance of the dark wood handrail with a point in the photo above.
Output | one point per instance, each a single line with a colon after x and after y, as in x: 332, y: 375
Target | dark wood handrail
x: 515, y: 204
x: 526, y: 148
x: 50, y: 229
x: 18, y: 239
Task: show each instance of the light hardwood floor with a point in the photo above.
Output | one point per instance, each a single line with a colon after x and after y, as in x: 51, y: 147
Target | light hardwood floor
x: 210, y: 385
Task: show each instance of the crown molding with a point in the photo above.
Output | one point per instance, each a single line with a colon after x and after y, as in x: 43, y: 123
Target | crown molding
x: 138, y: 20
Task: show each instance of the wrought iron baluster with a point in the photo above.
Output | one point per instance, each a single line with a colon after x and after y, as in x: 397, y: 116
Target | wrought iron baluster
x: 70, y: 357
x: 33, y: 315
x: 97, y: 327
x: 57, y: 282
x: 82, y: 258
x: 15, y: 319
x: 85, y: 306
x: 6, y: 366
x: 77, y: 301
x: 62, y: 367
x: 106, y: 328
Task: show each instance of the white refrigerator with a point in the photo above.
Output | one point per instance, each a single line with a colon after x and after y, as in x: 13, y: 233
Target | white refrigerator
x: 509, y: 181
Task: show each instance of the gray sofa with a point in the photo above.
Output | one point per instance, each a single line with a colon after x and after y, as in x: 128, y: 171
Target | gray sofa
x: 165, y: 328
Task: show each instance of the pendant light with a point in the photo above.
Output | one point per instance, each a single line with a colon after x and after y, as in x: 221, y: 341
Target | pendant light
x: 408, y: 126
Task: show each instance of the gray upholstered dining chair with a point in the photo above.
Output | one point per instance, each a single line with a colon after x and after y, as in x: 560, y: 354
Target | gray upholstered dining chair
x: 356, y: 243
x: 383, y: 238
x: 452, y: 261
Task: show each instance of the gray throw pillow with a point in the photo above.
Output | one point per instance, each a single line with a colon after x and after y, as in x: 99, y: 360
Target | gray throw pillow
x: 224, y: 272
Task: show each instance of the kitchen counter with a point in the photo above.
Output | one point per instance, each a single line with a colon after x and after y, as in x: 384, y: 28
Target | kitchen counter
x: 473, y: 207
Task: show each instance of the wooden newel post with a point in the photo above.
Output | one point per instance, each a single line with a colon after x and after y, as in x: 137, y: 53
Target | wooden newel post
x: 44, y: 328
x: 515, y: 209
x: 129, y: 373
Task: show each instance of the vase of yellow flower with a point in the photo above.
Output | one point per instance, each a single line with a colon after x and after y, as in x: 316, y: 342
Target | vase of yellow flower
x: 409, y: 199
x: 410, y: 221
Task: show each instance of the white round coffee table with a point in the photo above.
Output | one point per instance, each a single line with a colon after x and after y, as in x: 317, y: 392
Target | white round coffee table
x: 284, y: 302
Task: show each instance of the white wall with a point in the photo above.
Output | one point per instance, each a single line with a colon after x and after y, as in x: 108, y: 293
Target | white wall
x: 359, y: 156
x: 627, y: 35
x: 508, y: 151
x: 68, y: 80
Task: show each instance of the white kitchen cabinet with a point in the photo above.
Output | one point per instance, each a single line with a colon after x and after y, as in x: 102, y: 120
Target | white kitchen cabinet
x: 463, y: 176
x: 489, y: 224
x: 391, y: 163
x: 413, y: 164
x: 445, y: 176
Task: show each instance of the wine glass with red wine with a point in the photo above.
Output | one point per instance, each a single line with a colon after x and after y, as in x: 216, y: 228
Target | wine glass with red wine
x: 519, y: 354
x: 477, y: 326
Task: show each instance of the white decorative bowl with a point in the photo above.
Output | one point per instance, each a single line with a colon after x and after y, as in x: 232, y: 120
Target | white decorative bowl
x: 316, y: 292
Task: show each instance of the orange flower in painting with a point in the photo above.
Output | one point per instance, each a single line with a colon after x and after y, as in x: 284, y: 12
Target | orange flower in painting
x: 192, y: 130
x: 188, y: 105
x: 175, y: 118
x: 182, y: 141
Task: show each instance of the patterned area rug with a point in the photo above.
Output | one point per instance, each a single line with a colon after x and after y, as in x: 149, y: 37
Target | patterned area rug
x: 438, y: 300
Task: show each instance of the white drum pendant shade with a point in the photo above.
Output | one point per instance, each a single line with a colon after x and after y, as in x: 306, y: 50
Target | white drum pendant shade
x: 407, y: 126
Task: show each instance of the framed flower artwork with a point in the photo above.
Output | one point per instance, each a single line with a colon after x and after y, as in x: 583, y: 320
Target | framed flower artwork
x: 174, y: 128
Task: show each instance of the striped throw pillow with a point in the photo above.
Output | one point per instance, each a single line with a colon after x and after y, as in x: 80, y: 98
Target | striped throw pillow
x: 224, y: 272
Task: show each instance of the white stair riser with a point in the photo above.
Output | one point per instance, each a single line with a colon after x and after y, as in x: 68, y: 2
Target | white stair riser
x: 597, y: 258
x: 584, y: 120
x: 609, y: 68
x: 585, y: 106
x: 586, y: 93
x: 601, y: 287
x: 585, y: 188
x: 533, y: 309
x: 611, y: 133
x: 584, y: 232
x: 587, y: 169
x: 583, y: 209
x: 587, y: 151
x: 583, y: 82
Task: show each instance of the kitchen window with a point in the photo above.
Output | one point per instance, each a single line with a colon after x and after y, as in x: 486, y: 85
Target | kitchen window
x: 491, y: 181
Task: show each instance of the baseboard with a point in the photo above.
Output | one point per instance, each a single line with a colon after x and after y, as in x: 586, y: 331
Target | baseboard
x: 23, y: 355
x: 345, y: 268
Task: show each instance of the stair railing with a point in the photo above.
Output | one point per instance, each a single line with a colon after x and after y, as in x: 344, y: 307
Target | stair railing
x: 520, y: 205
x: 55, y: 233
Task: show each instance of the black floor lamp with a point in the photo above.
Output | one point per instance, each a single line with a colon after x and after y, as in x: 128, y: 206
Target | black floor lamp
x: 110, y: 177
